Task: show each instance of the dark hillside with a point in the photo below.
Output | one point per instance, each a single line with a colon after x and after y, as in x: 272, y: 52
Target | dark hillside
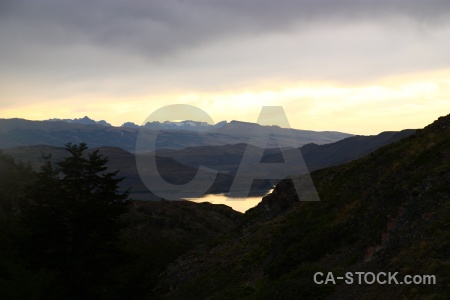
x: 343, y: 151
x: 171, y: 170
x: 157, y: 232
x: 179, y: 166
x: 386, y: 212
x: 152, y: 234
x: 13, y: 179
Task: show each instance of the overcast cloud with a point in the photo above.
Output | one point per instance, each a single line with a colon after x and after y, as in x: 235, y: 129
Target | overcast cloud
x: 165, y: 27
x: 42, y: 31
x: 57, y: 48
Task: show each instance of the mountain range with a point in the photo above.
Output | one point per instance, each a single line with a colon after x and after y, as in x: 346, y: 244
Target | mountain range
x: 181, y: 125
x: 227, y: 158
x: 385, y: 207
x: 85, y: 120
x: 188, y: 125
x: 179, y: 166
x: 19, y: 132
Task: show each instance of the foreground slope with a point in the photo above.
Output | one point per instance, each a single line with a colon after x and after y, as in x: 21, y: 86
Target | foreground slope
x: 154, y: 233
x: 157, y: 232
x: 389, y: 211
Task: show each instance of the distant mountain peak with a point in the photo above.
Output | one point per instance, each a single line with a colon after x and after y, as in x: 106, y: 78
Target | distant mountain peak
x: 85, y: 120
x: 242, y: 124
x: 188, y: 125
x: 130, y: 125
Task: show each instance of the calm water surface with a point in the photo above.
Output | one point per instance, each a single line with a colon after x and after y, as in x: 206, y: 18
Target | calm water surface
x: 239, y: 204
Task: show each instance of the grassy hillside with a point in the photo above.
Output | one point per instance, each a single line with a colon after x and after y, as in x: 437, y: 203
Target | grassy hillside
x: 387, y: 212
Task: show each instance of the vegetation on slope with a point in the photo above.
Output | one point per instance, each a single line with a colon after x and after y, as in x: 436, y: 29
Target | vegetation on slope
x: 386, y: 212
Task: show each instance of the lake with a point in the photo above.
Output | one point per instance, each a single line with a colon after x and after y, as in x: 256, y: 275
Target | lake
x: 238, y: 204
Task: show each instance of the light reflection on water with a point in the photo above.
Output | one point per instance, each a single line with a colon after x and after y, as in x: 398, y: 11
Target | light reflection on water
x: 238, y: 204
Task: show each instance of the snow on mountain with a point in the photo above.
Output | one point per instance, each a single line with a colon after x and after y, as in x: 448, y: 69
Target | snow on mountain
x: 85, y: 120
x: 181, y: 125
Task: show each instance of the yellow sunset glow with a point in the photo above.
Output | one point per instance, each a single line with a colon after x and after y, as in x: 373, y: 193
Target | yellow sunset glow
x: 408, y: 101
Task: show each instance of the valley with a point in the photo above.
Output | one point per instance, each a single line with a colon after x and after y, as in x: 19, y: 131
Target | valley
x: 384, y: 208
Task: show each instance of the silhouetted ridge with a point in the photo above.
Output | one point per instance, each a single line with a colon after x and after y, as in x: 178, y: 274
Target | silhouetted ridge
x: 385, y: 212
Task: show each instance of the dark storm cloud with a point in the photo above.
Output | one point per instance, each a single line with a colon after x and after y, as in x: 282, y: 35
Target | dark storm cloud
x: 159, y: 28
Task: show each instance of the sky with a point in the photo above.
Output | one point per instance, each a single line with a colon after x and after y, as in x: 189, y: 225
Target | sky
x: 354, y: 66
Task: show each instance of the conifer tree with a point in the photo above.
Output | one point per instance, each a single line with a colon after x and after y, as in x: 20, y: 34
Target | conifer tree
x: 72, y: 222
